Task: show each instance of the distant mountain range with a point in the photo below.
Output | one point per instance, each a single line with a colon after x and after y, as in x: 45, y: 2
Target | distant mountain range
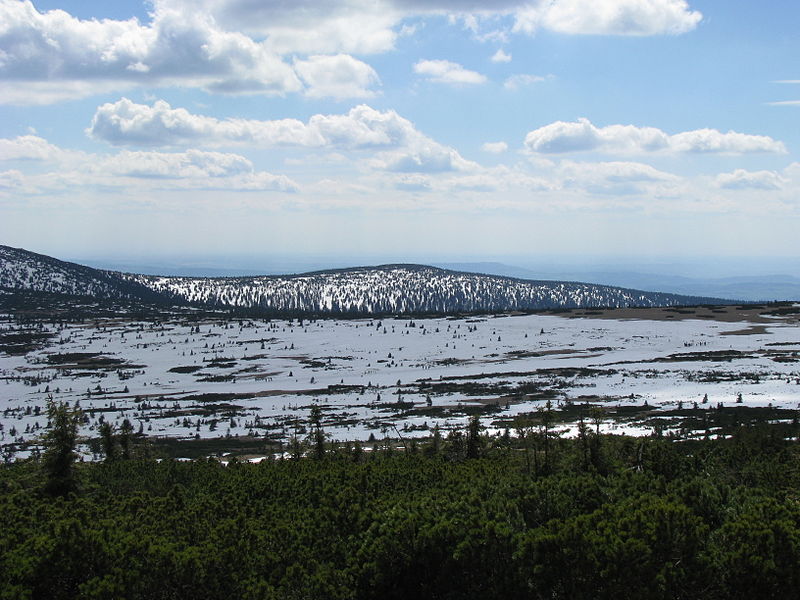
x: 750, y: 288
x: 385, y: 289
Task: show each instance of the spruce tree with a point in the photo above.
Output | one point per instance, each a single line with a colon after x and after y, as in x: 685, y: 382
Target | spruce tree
x: 59, y: 449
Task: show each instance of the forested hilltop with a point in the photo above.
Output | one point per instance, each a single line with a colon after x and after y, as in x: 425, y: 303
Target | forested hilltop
x: 399, y: 289
x: 380, y: 290
x: 470, y: 516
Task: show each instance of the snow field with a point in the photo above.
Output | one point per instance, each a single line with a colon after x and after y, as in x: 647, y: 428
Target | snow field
x: 272, y: 372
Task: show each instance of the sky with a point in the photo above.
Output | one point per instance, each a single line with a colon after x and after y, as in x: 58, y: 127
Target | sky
x: 408, y: 130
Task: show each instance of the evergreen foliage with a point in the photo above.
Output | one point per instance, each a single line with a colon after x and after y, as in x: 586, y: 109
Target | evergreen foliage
x: 59, y: 443
x: 598, y: 518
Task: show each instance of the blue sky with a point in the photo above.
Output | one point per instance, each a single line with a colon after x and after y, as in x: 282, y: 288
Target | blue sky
x: 400, y: 129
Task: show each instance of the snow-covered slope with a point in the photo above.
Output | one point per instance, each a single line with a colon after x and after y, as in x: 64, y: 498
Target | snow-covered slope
x: 399, y: 289
x: 387, y: 289
x: 24, y: 270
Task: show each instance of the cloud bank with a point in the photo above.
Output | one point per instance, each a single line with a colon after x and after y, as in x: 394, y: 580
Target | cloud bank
x: 273, y: 48
x: 400, y: 146
x: 582, y: 136
x: 191, y: 169
x: 52, y: 56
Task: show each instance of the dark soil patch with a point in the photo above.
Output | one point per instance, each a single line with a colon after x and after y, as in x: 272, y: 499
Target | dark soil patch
x: 71, y: 357
x: 216, y: 397
x: 752, y: 330
x: 712, y: 356
x: 22, y: 342
x: 187, y: 369
x: 87, y: 360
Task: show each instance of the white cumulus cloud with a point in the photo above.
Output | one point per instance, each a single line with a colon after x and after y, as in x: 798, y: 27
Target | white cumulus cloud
x: 393, y: 141
x: 445, y: 71
x: 500, y: 56
x: 428, y: 157
x: 27, y: 147
x: 175, y: 165
x: 609, y: 17
x: 339, y: 76
x: 191, y: 169
x: 369, y: 26
x: 740, y: 179
x: 732, y: 142
x: 126, y: 123
x: 614, y: 178
x: 274, y: 48
x: 615, y: 171
x: 306, y: 26
x: 51, y: 56
x: 583, y: 136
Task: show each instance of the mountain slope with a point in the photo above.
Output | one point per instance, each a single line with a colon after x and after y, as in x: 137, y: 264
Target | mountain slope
x: 24, y: 270
x: 387, y: 289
